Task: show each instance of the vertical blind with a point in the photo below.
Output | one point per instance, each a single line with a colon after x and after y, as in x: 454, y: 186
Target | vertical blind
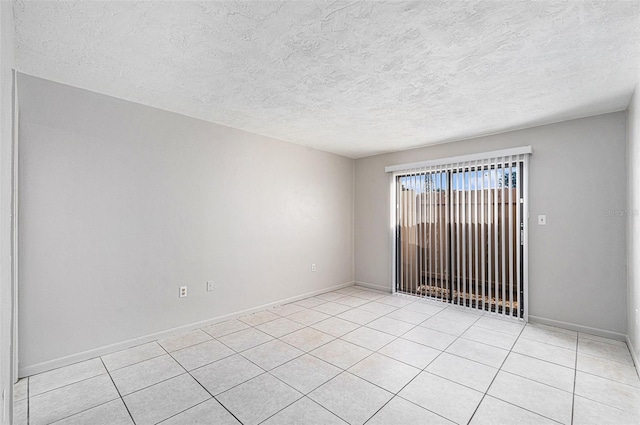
x: 459, y: 230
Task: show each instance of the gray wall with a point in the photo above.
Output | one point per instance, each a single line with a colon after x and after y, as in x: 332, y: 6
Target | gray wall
x: 577, y: 261
x: 6, y: 293
x: 633, y: 214
x: 120, y: 204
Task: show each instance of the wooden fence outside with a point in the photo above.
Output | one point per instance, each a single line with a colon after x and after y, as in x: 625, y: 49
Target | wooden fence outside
x: 430, y: 230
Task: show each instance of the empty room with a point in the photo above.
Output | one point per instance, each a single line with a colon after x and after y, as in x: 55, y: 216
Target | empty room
x: 319, y: 212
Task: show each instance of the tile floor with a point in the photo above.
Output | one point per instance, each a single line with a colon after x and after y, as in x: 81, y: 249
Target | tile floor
x: 350, y: 356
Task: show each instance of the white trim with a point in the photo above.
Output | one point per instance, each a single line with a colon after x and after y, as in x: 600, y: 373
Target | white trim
x: 393, y: 203
x: 525, y: 254
x: 108, y: 349
x: 524, y: 150
x: 578, y: 328
x: 374, y: 286
x: 14, y: 224
x: 634, y: 356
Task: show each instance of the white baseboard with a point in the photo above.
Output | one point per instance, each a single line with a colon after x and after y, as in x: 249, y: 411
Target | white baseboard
x: 374, y: 286
x: 634, y: 355
x: 578, y: 328
x: 123, y: 345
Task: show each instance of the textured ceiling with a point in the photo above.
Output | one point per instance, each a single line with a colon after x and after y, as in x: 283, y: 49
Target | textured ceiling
x: 354, y: 78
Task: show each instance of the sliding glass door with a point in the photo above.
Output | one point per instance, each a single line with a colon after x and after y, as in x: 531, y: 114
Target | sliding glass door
x: 460, y: 233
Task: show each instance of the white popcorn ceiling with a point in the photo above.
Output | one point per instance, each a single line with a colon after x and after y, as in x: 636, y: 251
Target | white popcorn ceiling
x: 354, y: 78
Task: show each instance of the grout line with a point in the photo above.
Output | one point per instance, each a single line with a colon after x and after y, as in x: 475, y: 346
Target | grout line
x: 86, y: 410
x: 523, y: 408
x: 632, y: 412
x: 71, y: 383
x: 608, y: 358
x: 182, y: 411
x: 608, y: 379
x: 133, y: 364
x: 537, y: 382
x: 118, y: 390
x: 495, y: 376
x: 539, y: 359
x: 545, y: 343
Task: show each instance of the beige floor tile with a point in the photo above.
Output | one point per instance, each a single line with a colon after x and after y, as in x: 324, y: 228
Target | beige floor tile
x: 279, y: 327
x: 589, y: 412
x: 111, y: 413
x: 546, y: 352
x: 164, y: 400
x: 272, y: 354
x: 540, y: 371
x: 445, y: 325
x: 539, y: 398
x: 144, y: 374
x: 201, y: 354
x: 307, y: 339
x: 308, y: 317
x: 429, y: 337
x: 358, y: 316
x: 551, y: 335
x: 443, y: 397
x: 287, y: 309
x: 493, y: 411
x: 463, y: 371
x: 391, y: 326
x: 306, y: 373
x: 615, y: 371
x: 245, y: 339
x: 259, y: 318
x: 402, y: 412
x: 368, y: 338
x: 304, y: 411
x: 335, y: 326
x: 491, y: 337
x: 331, y: 308
x: 60, y: 377
x: 385, y: 372
x: 605, y: 350
x: 256, y: 400
x: 225, y: 328
x: 207, y: 412
x: 66, y: 401
x: 340, y: 353
x: 409, y: 352
x: 227, y: 373
x: 351, y: 398
x: 612, y: 393
x: 132, y: 355
x: 183, y: 340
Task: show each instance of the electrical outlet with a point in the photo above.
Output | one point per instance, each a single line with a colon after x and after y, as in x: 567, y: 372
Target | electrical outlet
x: 210, y: 286
x: 313, y: 267
x: 542, y: 220
x: 183, y: 291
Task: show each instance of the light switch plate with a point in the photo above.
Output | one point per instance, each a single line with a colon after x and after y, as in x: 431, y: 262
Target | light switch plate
x: 542, y: 220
